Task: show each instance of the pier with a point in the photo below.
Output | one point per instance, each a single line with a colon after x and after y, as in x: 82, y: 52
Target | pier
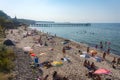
x: 54, y: 24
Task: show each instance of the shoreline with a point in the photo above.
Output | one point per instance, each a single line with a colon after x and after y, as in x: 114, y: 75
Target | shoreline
x: 114, y: 49
x: 73, y: 71
x: 84, y: 44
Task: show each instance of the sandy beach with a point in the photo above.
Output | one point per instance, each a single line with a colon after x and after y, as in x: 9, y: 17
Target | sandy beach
x: 73, y: 70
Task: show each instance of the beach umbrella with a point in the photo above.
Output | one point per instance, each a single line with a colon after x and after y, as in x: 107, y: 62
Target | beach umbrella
x: 93, y: 52
x: 102, y: 71
x: 27, y: 48
x: 8, y: 42
x: 33, y: 54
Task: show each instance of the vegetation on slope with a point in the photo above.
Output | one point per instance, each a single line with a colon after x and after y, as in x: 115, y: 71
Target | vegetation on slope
x: 6, y: 53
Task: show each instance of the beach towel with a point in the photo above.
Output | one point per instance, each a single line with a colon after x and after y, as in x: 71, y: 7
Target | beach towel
x: 27, y: 49
x: 98, y: 59
x: 85, y: 55
x: 57, y: 63
x: 42, y: 54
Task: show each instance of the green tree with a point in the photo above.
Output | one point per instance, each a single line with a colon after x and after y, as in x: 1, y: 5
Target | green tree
x: 4, y: 25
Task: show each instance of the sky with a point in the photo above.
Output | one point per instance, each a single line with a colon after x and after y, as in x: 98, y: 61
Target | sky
x: 64, y: 10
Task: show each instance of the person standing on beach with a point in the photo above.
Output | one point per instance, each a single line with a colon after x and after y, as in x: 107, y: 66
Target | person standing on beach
x: 64, y: 51
x: 96, y: 46
x: 101, y: 45
x: 40, y: 41
x: 108, y: 50
x: 109, y: 43
x: 36, y: 61
x: 113, y: 62
x: 104, y: 54
x: 11, y: 32
x: 118, y: 61
x: 105, y: 44
x: 88, y: 49
x: 45, y: 44
x: 85, y: 63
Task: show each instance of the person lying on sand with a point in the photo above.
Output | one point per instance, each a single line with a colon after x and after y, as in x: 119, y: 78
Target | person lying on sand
x: 66, y: 59
x: 89, y: 66
x: 58, y: 77
x: 46, y: 64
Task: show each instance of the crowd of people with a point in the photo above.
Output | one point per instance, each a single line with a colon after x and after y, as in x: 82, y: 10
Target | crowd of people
x: 90, y: 66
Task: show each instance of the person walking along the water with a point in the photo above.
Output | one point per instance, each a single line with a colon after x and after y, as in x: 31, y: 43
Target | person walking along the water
x: 101, y: 45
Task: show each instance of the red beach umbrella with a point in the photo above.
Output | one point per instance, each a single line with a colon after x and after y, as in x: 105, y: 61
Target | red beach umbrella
x: 33, y: 54
x: 102, y: 71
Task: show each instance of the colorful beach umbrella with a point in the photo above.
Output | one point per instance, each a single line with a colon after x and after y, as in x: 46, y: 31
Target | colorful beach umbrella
x: 93, y: 52
x: 102, y: 71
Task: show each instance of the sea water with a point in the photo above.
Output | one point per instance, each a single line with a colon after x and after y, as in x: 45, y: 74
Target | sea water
x: 91, y: 35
